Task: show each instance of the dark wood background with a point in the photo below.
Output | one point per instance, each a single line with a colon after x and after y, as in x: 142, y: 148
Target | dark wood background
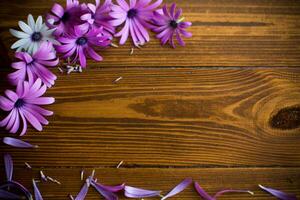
x: 225, y: 110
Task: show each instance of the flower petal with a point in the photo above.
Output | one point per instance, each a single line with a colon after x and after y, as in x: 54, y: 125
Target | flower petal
x: 25, y: 27
x: 202, y: 192
x: 17, y: 143
x: 37, y: 193
x: 19, y: 34
x: 108, y: 195
x: 279, y: 194
x: 132, y: 192
x: 179, y: 188
x: 8, y: 166
x: 83, y: 192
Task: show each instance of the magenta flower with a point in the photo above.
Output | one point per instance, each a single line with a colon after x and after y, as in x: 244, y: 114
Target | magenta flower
x: 33, y: 67
x: 170, y: 25
x: 98, y: 16
x: 24, y: 106
x: 81, y: 42
x: 135, y: 18
x: 65, y: 19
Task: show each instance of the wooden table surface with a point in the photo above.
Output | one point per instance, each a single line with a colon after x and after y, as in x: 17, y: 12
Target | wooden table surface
x: 224, y: 110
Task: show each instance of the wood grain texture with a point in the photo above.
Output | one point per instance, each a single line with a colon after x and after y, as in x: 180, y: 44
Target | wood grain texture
x: 212, y: 180
x: 225, y: 33
x: 225, y: 110
x: 169, y: 117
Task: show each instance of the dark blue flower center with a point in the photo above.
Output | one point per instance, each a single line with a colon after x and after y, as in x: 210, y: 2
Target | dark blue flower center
x: 173, y: 24
x: 66, y: 16
x: 36, y: 36
x: 81, y: 41
x: 19, y: 103
x: 131, y: 13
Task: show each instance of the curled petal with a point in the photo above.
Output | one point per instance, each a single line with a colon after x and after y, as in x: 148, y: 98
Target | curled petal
x: 132, y: 192
x: 202, y: 192
x: 279, y: 194
x: 179, y: 188
x: 17, y: 143
x: 231, y: 191
x: 8, y: 195
x: 18, y: 187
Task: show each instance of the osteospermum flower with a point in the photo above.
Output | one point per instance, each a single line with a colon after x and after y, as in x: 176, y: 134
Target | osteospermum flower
x: 34, y: 66
x: 169, y: 24
x: 82, y: 42
x: 64, y: 19
x: 135, y: 18
x: 34, y: 33
x: 98, y: 16
x: 24, y: 106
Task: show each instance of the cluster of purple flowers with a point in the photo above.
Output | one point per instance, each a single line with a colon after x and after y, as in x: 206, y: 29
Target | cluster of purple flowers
x: 76, y: 31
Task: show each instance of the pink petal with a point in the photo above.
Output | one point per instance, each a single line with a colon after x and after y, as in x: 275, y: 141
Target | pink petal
x: 32, y: 120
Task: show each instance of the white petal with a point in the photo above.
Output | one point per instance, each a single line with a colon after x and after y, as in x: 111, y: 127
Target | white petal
x: 53, y: 41
x: 35, y: 47
x: 19, y: 34
x: 19, y: 43
x: 30, y: 21
x: 30, y: 47
x: 38, y: 25
x: 44, y: 28
x: 25, y: 27
x: 51, y: 21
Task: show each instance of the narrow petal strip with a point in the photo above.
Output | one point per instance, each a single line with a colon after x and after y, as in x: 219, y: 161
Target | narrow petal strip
x: 17, y: 143
x: 37, y: 193
x: 8, y: 163
x: 202, y: 192
x: 179, y: 188
x: 279, y: 194
x: 132, y: 192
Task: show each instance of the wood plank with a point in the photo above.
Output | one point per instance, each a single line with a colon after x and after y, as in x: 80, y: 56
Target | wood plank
x: 212, y: 180
x: 226, y: 33
x: 171, y: 117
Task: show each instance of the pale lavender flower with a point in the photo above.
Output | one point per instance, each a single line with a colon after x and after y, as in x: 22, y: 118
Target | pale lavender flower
x: 135, y: 17
x: 32, y: 35
x: 81, y: 42
x: 24, y: 106
x: 64, y: 19
x: 35, y: 66
x: 14, y: 142
x: 98, y: 16
x: 169, y: 25
x: 279, y: 194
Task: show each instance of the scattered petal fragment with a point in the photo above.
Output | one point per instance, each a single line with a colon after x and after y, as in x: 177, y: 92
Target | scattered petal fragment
x: 279, y: 194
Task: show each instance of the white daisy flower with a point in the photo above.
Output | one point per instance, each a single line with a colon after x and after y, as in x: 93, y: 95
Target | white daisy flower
x: 34, y: 33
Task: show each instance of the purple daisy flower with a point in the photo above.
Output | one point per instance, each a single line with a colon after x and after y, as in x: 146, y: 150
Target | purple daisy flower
x: 135, y: 18
x: 98, y: 16
x: 81, y: 42
x: 33, y: 67
x: 24, y: 105
x: 64, y: 19
x: 169, y: 24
